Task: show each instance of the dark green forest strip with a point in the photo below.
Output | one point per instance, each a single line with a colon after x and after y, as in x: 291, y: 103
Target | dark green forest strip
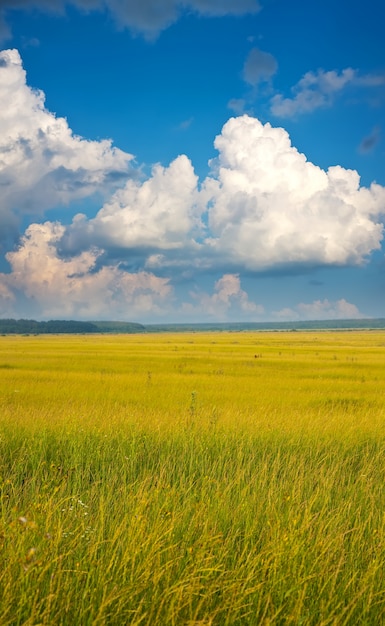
x: 21, y: 327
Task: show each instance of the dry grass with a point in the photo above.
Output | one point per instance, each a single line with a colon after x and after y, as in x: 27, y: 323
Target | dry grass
x: 204, y: 479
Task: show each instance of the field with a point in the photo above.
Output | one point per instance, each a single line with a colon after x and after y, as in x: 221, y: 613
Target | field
x: 222, y: 479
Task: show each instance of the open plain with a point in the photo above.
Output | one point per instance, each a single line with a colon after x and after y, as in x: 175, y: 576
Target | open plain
x: 222, y: 479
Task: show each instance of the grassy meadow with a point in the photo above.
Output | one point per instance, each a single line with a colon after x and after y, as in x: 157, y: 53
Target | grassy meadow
x: 203, y: 479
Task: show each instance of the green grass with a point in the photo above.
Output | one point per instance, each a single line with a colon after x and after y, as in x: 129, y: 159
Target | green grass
x: 205, y: 479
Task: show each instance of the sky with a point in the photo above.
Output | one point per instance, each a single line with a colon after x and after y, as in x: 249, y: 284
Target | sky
x: 192, y: 160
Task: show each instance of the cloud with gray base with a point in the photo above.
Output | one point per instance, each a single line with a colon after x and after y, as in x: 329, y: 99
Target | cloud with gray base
x: 159, y: 215
x: 268, y: 206
x: 263, y: 207
x: 75, y: 287
x: 319, y: 89
x: 42, y: 163
x: 145, y: 17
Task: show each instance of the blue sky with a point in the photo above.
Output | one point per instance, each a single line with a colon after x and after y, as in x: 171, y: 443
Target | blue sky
x: 192, y: 160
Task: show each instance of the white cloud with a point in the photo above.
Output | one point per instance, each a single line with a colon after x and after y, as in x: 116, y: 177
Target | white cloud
x: 259, y: 67
x: 320, y: 310
x: 319, y: 89
x: 286, y: 314
x: 75, y: 286
x: 264, y: 206
x: 42, y: 164
x: 159, y: 214
x: 228, y: 296
x: 269, y: 206
x: 324, y: 309
x: 147, y: 17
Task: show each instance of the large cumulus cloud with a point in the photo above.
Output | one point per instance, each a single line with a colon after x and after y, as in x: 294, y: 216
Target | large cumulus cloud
x: 42, y: 163
x: 263, y: 206
x: 270, y: 206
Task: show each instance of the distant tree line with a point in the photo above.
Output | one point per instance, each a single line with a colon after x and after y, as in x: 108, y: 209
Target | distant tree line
x: 32, y: 327
x: 348, y: 324
x: 24, y: 327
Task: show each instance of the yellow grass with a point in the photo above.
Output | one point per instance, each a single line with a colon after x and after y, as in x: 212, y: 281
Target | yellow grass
x: 219, y: 478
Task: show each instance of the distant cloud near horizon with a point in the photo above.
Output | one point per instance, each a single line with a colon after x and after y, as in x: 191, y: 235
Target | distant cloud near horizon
x: 227, y: 294
x: 76, y: 287
x: 320, y: 310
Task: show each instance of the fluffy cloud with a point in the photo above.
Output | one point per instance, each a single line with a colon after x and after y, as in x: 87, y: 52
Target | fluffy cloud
x: 321, y: 310
x: 259, y: 67
x: 156, y: 215
x: 263, y: 206
x: 75, y: 287
x: 319, y: 89
x: 147, y: 17
x: 42, y: 164
x: 269, y: 206
x: 228, y: 297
